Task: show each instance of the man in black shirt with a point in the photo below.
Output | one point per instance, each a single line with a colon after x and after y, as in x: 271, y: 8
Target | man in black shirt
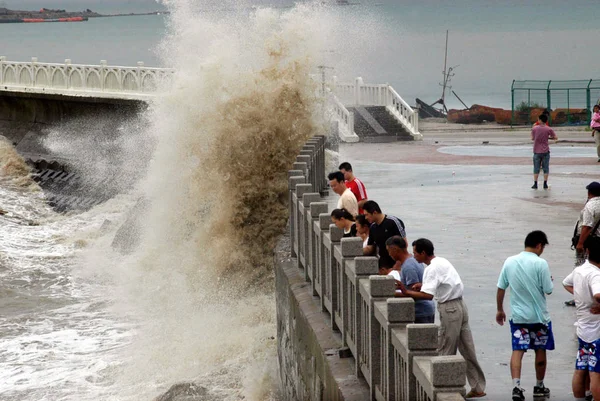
x: 382, y: 228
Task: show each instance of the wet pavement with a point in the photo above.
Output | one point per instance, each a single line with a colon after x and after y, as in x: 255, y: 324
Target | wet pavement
x: 477, y: 213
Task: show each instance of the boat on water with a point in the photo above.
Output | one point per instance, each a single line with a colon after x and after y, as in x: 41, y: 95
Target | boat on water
x: 35, y: 20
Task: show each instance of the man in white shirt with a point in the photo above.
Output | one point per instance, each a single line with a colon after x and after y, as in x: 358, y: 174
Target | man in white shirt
x: 584, y: 284
x: 442, y: 283
x: 347, y: 199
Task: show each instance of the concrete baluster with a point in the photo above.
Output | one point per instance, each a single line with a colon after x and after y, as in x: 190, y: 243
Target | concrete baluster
x: 295, y: 177
x: 306, y: 159
x: 316, y: 210
x: 376, y: 288
x: 390, y: 314
x: 33, y: 72
x: 320, y: 275
x: 439, y: 374
x: 356, y: 269
x: 348, y: 249
x: 307, y: 156
x: 408, y: 342
x: 2, y: 66
x: 301, y: 189
x: 140, y: 66
x: 330, y: 240
x: 306, y: 230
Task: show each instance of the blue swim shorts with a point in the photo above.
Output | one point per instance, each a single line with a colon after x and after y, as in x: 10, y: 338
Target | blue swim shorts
x: 541, y: 160
x: 531, y: 336
x: 588, y: 355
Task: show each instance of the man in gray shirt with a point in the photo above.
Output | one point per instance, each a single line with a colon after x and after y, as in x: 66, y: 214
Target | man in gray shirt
x: 411, y: 274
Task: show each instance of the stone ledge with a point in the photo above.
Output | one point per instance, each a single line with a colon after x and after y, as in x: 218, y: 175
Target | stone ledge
x: 309, y: 369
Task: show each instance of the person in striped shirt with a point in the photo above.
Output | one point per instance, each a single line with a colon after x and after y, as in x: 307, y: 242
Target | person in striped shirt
x: 356, y: 186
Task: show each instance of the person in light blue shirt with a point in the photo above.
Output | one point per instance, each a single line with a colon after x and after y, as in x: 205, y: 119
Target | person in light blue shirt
x: 529, y: 279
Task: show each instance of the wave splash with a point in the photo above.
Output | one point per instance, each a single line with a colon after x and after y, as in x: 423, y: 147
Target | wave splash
x: 200, y: 284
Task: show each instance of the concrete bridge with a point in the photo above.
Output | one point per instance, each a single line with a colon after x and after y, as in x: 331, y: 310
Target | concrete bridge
x: 362, y: 112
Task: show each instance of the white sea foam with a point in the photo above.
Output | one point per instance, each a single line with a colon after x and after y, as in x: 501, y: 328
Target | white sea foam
x: 195, y: 300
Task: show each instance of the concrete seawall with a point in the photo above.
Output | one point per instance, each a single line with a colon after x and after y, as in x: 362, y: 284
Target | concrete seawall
x: 309, y: 360
x: 24, y: 116
x: 50, y: 108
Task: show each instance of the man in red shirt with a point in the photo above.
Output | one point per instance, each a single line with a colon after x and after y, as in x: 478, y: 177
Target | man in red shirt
x: 356, y: 186
x: 541, y: 150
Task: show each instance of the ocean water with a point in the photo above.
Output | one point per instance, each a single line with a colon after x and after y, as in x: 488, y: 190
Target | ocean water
x: 82, y: 322
x: 398, y: 42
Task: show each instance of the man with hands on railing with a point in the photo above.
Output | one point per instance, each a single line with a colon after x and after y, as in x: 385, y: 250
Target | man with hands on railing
x: 442, y: 283
x: 411, y: 275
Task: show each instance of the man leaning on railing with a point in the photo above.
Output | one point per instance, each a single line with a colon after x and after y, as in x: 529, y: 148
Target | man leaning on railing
x: 442, y: 283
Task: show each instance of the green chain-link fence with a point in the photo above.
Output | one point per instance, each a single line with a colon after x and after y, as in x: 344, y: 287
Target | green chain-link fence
x: 569, y: 102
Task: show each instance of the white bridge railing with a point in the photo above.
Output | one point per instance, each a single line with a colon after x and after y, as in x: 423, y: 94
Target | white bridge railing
x: 361, y: 94
x: 143, y: 82
x: 110, y: 81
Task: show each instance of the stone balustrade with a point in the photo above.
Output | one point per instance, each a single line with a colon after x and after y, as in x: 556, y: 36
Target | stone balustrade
x: 397, y: 358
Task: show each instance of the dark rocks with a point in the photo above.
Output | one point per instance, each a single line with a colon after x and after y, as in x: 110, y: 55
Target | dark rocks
x: 186, y: 392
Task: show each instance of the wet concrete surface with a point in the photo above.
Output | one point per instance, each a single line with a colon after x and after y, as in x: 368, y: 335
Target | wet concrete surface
x: 478, y: 214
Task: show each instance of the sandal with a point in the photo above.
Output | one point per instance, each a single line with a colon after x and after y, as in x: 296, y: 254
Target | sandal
x: 475, y: 394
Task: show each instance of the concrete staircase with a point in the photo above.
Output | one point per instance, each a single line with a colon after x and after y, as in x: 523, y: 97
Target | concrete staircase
x: 376, y: 124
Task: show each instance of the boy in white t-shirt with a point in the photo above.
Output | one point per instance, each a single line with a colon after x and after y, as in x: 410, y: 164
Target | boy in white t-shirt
x: 584, y: 284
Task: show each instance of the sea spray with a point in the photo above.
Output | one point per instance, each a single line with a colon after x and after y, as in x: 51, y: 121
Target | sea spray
x: 199, y: 286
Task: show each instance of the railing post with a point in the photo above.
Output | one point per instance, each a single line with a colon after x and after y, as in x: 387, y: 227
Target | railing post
x: 103, y: 64
x: 34, y: 61
x: 140, y: 65
x: 301, y: 189
x: 394, y: 312
x: 376, y: 288
x: 358, y: 84
x: 300, y: 166
x: 306, y: 159
x: 306, y: 231
x: 68, y: 73
x: 314, y: 251
x: 359, y: 268
x: 295, y: 177
x: 2, y: 63
x: 440, y: 374
x: 408, y: 342
x: 321, y: 273
x: 349, y: 249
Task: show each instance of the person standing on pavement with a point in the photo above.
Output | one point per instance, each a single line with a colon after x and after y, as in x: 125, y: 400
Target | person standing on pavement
x: 595, y: 125
x: 442, y: 283
x: 411, y: 274
x: 584, y: 284
x: 347, y: 199
x: 589, y: 217
x: 541, y: 150
x: 382, y: 228
x: 529, y: 279
x: 356, y: 186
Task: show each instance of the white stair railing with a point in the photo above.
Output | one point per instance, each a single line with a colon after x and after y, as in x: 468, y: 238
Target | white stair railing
x: 361, y: 94
x: 343, y: 117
